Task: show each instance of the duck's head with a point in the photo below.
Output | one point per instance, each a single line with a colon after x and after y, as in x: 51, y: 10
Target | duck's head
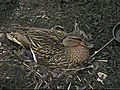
x: 72, y: 40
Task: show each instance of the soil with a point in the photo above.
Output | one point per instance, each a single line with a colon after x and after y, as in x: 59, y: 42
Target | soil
x: 96, y: 17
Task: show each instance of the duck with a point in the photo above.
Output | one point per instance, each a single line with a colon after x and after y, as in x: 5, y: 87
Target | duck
x: 54, y: 46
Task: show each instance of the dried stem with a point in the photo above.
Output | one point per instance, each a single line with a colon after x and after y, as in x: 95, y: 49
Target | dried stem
x: 102, y: 47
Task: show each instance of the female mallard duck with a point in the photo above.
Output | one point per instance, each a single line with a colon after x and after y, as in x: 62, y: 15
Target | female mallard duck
x: 56, y: 46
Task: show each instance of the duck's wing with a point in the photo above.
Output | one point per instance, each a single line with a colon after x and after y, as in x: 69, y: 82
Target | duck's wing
x: 43, y: 42
x: 60, y: 60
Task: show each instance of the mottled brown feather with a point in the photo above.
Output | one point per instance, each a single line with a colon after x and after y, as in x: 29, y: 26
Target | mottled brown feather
x: 47, y: 46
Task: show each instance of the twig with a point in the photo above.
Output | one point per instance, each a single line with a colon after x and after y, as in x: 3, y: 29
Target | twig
x: 91, y: 86
x: 79, y: 78
x: 30, y: 84
x: 102, y: 47
x: 74, y: 69
x: 25, y: 27
x: 36, y: 86
x: 69, y: 86
x: 102, y: 60
x: 1, y: 61
x: 35, y: 72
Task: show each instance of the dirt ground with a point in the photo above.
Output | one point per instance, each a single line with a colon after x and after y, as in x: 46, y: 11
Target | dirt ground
x: 96, y: 17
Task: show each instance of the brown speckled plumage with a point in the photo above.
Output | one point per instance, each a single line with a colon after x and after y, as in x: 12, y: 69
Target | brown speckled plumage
x: 54, y: 46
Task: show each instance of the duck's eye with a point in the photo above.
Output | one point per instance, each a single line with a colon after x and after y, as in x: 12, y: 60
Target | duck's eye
x: 78, y: 39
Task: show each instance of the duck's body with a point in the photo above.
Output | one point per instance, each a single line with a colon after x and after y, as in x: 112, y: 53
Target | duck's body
x: 45, y: 43
x: 54, y: 46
